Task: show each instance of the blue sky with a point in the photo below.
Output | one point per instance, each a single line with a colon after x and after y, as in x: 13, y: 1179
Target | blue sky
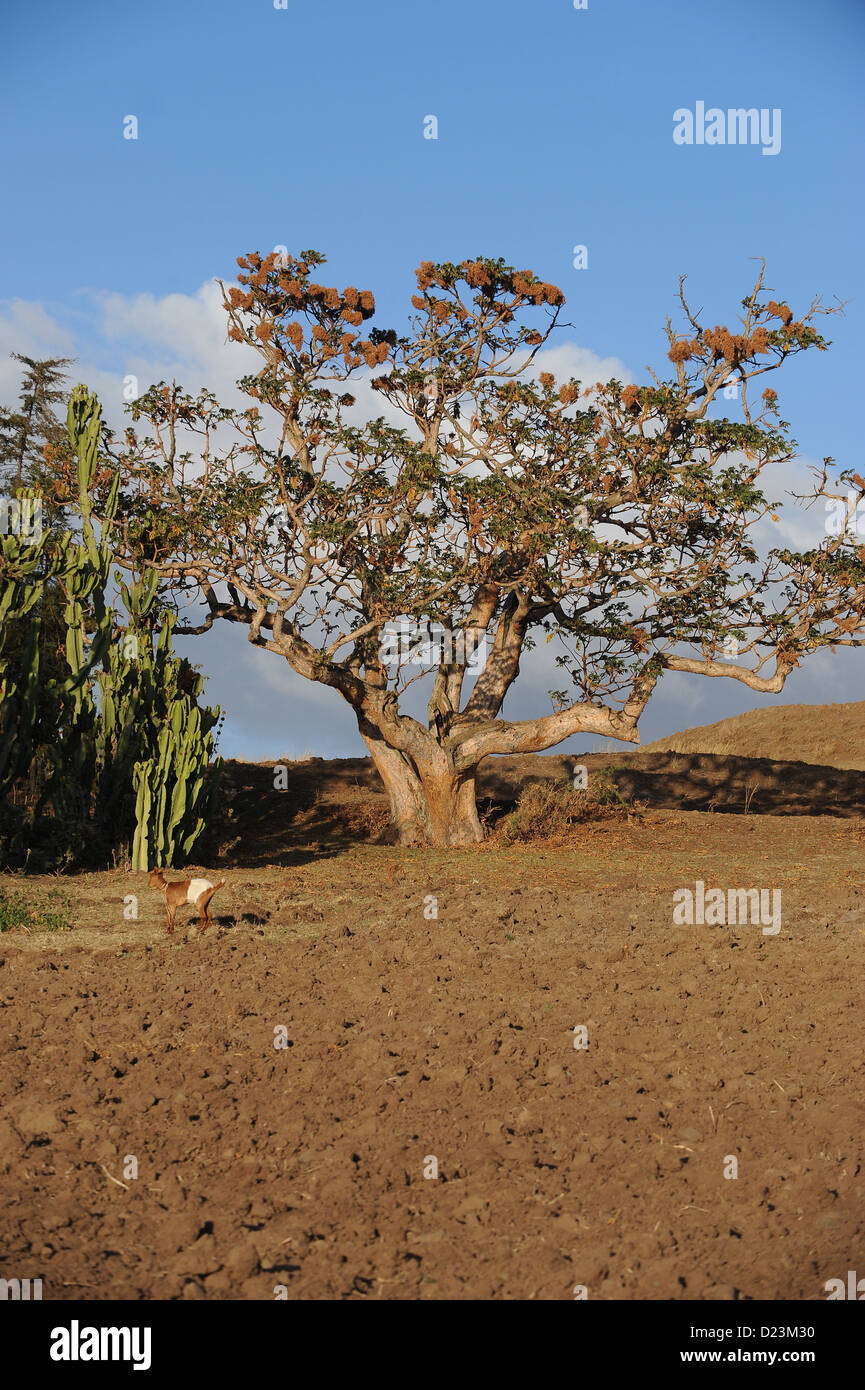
x: 304, y: 127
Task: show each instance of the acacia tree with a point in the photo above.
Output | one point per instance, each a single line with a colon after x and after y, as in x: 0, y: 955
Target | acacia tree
x: 491, y: 499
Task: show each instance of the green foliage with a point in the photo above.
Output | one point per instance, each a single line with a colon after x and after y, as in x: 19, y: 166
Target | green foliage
x: 14, y: 912
x: 49, y: 912
x: 20, y: 590
x: 119, y: 711
x: 155, y: 739
x: 25, y: 431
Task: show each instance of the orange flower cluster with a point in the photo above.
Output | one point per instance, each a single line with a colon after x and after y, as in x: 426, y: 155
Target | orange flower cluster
x: 374, y: 355
x: 525, y: 285
x: 476, y: 274
x: 549, y: 294
x: 758, y: 341
x: 239, y: 300
x: 681, y: 350
x: 480, y: 276
x: 547, y: 380
x: 568, y: 394
x: 723, y: 343
x: 733, y: 348
x: 291, y: 293
x: 630, y: 398
x: 260, y: 266
x: 779, y: 311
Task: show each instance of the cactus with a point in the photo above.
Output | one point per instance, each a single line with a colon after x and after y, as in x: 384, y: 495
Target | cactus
x: 84, y: 569
x: 180, y: 778
x: 140, y: 844
x: 24, y: 564
x: 20, y: 590
x: 129, y: 747
x: 155, y: 737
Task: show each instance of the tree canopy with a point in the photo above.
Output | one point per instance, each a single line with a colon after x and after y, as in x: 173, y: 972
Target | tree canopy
x: 487, y: 497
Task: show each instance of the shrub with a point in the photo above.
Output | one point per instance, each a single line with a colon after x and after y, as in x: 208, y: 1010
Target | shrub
x: 24, y: 912
x: 550, y: 810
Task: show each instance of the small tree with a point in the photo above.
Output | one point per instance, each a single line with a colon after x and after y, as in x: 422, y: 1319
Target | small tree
x: 30, y: 435
x: 25, y: 432
x: 493, y: 501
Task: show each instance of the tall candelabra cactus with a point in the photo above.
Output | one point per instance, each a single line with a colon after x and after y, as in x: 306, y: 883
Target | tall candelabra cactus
x: 157, y: 740
x: 129, y: 748
x: 175, y: 789
x: 83, y: 569
x: 22, y: 567
x: 88, y: 562
x: 30, y: 558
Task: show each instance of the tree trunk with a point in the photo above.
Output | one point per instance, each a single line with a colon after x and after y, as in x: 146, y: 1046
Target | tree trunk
x: 430, y: 804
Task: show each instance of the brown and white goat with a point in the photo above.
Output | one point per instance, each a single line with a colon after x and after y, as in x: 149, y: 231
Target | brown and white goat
x: 197, y: 891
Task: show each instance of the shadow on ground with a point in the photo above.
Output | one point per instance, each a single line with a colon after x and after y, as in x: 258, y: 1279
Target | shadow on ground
x: 290, y: 814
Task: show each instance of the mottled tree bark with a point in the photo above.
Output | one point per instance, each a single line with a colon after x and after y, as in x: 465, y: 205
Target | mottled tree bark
x: 430, y: 802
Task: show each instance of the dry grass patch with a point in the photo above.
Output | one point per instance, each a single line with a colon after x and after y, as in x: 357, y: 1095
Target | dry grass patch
x: 554, y: 810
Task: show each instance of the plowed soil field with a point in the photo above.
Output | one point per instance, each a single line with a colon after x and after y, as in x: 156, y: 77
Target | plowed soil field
x: 400, y: 1074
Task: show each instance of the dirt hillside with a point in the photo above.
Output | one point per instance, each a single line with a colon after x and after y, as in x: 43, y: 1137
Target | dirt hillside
x: 335, y: 803
x: 828, y: 735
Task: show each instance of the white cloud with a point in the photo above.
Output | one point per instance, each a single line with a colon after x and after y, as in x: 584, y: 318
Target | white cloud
x: 29, y: 329
x: 568, y: 360
x: 798, y: 527
x: 178, y: 337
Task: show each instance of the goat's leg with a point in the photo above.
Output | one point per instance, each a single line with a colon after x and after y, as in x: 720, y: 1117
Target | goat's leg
x: 204, y: 909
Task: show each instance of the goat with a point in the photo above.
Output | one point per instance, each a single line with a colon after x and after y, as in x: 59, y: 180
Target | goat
x: 197, y: 891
